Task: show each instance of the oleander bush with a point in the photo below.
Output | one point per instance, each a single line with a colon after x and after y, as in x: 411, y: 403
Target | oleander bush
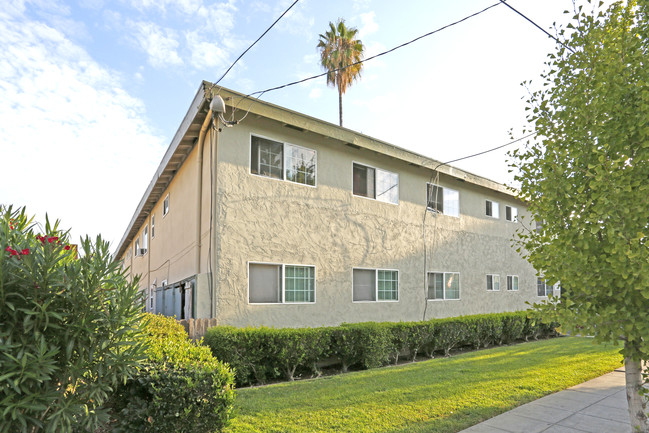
x: 260, y: 355
x: 182, y: 387
x: 69, y: 327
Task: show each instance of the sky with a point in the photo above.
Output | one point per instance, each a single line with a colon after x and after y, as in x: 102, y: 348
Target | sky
x: 92, y: 92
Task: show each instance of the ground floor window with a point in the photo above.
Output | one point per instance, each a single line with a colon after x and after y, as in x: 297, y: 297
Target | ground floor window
x: 375, y: 285
x: 270, y: 283
x: 443, y: 285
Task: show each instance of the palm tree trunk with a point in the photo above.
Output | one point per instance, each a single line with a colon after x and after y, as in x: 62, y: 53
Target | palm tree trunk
x: 340, y: 104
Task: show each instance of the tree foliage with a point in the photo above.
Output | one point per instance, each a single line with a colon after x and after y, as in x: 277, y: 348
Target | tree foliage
x: 69, y: 329
x: 586, y: 177
x: 340, y: 52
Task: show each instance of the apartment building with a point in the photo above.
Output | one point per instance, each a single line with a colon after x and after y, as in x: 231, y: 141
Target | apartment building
x: 259, y: 215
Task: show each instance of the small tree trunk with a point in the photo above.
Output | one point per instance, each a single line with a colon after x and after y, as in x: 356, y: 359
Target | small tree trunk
x: 637, y: 403
x: 340, y: 105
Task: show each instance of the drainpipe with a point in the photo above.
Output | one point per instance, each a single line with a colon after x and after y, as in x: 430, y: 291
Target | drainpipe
x: 215, y: 140
x: 199, y: 189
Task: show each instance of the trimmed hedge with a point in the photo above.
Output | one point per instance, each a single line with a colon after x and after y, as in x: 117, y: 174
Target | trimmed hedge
x: 259, y: 355
x: 181, y: 388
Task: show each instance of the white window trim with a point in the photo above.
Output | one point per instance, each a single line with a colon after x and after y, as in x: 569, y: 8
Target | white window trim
x: 546, y: 288
x: 494, y: 204
x: 282, y: 289
x: 283, y: 179
x: 515, y: 218
x: 164, y: 214
x: 145, y: 240
x: 136, y: 247
x: 492, y: 283
x: 376, y: 199
x: 517, y: 279
x: 376, y: 286
x: 444, y: 274
x: 152, y: 226
x: 430, y: 209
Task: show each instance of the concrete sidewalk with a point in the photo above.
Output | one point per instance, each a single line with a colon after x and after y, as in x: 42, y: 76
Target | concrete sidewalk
x: 596, y: 406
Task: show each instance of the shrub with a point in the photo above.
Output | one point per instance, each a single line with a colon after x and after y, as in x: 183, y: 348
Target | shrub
x: 513, y: 326
x: 367, y: 344
x: 68, y: 327
x: 182, y: 388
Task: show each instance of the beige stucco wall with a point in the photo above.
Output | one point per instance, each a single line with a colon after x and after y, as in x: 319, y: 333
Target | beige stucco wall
x: 261, y: 219
x: 171, y: 255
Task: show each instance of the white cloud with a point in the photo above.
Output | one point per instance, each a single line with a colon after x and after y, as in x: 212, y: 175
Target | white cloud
x: 74, y: 143
x: 368, y: 25
x: 160, y: 44
x: 315, y: 93
x: 206, y: 54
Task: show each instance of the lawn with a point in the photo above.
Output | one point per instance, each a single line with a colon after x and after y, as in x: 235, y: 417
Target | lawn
x: 438, y: 395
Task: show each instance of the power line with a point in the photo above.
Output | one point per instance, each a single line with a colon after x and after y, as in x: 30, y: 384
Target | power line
x: 253, y: 44
x: 486, y: 151
x: 537, y: 26
x: 293, y: 83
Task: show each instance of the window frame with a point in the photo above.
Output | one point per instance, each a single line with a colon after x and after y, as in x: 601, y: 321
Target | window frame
x: 145, y: 239
x: 430, y: 185
x: 513, y: 211
x: 376, y: 285
x: 494, y: 277
x: 511, y: 278
x: 546, y: 286
x: 494, y: 205
x: 284, y: 167
x: 444, y: 280
x: 283, y: 283
x: 166, y: 205
x: 152, y: 226
x: 362, y: 164
x: 136, y: 246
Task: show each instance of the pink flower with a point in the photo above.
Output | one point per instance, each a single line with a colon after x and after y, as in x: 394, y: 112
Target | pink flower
x: 14, y: 252
x: 8, y: 249
x: 25, y: 251
x: 66, y: 248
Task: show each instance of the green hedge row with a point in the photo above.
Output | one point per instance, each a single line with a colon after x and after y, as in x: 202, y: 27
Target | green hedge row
x: 181, y: 387
x: 262, y: 354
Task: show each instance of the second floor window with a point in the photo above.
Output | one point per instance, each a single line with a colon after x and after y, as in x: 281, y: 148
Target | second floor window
x: 375, y: 183
x: 443, y: 200
x: 282, y: 161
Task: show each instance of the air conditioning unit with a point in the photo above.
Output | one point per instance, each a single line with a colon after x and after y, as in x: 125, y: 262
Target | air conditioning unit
x: 141, y: 251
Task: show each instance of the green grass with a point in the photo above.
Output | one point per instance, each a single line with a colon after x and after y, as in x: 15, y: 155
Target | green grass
x: 439, y: 395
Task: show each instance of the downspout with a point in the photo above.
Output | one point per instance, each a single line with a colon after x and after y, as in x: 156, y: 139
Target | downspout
x: 199, y: 205
x: 215, y: 134
x: 199, y: 189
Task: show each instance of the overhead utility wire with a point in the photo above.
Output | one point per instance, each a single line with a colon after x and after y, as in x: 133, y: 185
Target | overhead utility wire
x: 261, y: 92
x: 537, y: 26
x: 486, y: 151
x: 253, y: 44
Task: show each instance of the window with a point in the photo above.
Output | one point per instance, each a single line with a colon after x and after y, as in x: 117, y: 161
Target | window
x: 512, y: 282
x: 145, y: 239
x: 511, y: 214
x: 277, y: 284
x: 443, y: 200
x: 493, y: 282
x: 543, y: 288
x: 152, y: 226
x: 165, y: 206
x: 375, y: 183
x: 538, y: 226
x: 443, y: 285
x: 282, y: 161
x: 137, y: 247
x: 492, y: 209
x: 375, y: 285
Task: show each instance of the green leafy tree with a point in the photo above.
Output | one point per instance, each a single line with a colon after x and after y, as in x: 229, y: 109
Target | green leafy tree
x: 340, y: 53
x: 69, y: 328
x: 586, y: 178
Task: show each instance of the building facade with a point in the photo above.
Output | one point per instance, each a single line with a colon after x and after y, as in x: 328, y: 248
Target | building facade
x: 285, y: 220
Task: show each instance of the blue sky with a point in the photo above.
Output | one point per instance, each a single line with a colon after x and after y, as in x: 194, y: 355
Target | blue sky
x: 91, y: 92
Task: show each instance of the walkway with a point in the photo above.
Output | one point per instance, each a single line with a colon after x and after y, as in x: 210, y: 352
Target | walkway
x: 596, y: 406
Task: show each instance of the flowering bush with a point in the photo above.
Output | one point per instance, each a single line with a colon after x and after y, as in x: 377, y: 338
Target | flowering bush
x: 69, y: 328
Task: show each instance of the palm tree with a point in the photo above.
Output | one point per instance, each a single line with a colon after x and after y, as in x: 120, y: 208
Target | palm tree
x: 340, y: 54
